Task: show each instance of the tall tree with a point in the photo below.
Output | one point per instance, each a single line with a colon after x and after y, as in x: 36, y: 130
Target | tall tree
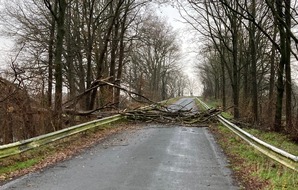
x: 58, y: 64
x: 50, y: 55
x: 282, y: 12
x: 253, y: 56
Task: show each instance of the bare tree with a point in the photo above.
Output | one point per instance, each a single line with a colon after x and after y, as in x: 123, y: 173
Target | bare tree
x: 58, y: 64
x: 154, y: 57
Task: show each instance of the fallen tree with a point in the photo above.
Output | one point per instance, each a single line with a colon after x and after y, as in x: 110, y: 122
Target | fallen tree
x: 156, y: 112
x: 69, y: 107
x: 169, y: 116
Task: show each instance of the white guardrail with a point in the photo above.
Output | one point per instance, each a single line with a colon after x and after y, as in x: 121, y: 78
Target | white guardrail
x: 281, y: 156
x: 22, y: 146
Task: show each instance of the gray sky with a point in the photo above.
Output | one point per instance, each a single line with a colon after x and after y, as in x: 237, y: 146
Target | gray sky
x: 5, y: 46
x: 188, y: 47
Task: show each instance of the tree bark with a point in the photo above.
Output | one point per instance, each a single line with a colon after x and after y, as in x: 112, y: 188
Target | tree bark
x: 270, y: 110
x: 223, y: 88
x: 103, y: 50
x: 58, y: 63
x: 121, y: 56
x: 235, y: 84
x: 280, y: 70
x: 114, y: 47
x: 288, y: 82
x: 252, y: 35
x: 51, y: 57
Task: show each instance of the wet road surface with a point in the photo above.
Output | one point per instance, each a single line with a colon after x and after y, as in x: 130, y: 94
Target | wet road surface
x: 151, y: 158
x: 187, y: 104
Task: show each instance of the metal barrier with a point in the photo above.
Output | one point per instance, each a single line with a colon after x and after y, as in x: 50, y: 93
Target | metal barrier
x: 22, y: 146
x: 281, y: 156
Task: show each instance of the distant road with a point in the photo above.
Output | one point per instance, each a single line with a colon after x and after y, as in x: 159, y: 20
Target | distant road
x: 184, y: 104
x: 154, y: 157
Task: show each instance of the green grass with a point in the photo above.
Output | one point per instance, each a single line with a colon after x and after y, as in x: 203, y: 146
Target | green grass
x: 213, y: 104
x: 24, y: 160
x: 254, y: 165
x: 199, y: 105
x: 19, y: 165
x: 227, y: 115
x: 276, y: 139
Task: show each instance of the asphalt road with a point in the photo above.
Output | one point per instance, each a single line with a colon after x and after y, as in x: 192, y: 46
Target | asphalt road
x: 184, y: 104
x: 154, y: 157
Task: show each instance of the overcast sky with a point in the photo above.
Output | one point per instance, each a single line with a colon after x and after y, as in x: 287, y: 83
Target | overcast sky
x: 186, y: 37
x: 5, y: 46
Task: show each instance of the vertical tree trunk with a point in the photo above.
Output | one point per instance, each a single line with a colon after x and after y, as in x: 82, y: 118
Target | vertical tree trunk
x: 89, y: 6
x: 223, y: 75
x: 114, y: 46
x: 288, y: 82
x: 270, y: 109
x: 280, y: 70
x: 81, y: 74
x: 58, y: 63
x: 223, y: 88
x: 235, y: 84
x: 121, y: 56
x: 70, y: 58
x: 51, y: 55
x: 246, y: 78
x: 253, y: 55
x: 103, y: 50
x: 100, y: 64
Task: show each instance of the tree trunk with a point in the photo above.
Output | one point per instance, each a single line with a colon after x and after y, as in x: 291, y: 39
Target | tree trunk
x: 121, y: 57
x: 51, y: 55
x: 58, y: 64
x: 280, y: 70
x: 223, y: 88
x: 114, y: 46
x: 89, y: 45
x: 288, y: 82
x: 104, y: 49
x: 252, y: 36
x: 235, y: 84
x: 270, y: 110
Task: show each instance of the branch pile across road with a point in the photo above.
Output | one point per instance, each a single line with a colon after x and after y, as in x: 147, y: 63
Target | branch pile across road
x: 174, y: 114
x: 165, y: 115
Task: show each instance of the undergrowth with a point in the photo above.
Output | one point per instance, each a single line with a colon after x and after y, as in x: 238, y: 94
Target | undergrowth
x: 252, y: 168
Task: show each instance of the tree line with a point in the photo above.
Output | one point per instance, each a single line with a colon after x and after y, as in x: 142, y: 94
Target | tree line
x: 73, y: 57
x: 248, y: 51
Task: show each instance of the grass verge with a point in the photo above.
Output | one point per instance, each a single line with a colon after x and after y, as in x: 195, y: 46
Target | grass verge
x: 253, y: 169
x: 278, y: 140
x: 213, y: 104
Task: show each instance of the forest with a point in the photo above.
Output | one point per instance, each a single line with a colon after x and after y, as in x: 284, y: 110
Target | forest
x: 249, y: 52
x: 73, y: 58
